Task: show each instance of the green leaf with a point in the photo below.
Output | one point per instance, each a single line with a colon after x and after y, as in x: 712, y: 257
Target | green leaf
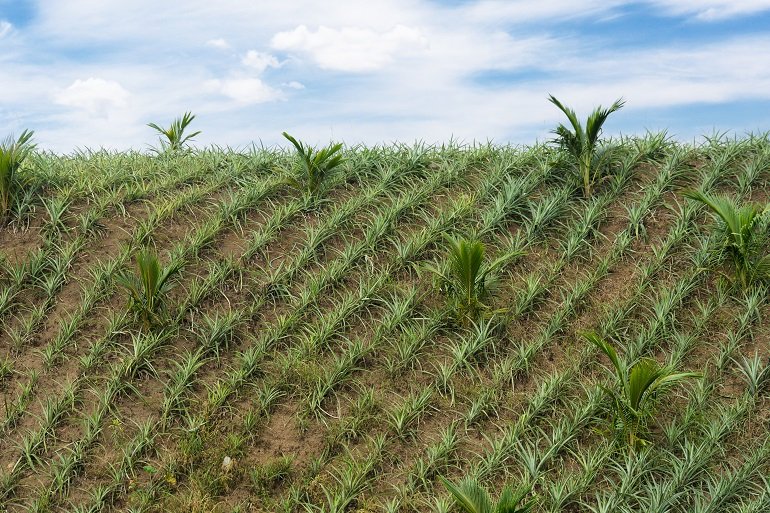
x: 511, y: 501
x: 470, y: 496
x: 316, y: 165
x: 740, y: 224
x: 581, y: 142
x: 642, y: 377
x: 173, y: 135
x: 608, y: 350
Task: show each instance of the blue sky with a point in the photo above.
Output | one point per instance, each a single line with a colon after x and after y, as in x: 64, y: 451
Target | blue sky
x: 93, y: 73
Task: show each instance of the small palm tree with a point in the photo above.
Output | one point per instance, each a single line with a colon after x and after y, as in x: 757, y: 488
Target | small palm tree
x: 471, y: 497
x: 467, y: 278
x: 173, y: 138
x: 741, y: 223
x: 147, y: 287
x: 583, y: 142
x: 12, y: 154
x: 634, y: 392
x: 315, y: 165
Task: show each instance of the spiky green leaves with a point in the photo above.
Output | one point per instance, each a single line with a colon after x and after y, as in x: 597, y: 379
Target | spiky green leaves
x: 471, y: 497
x: 634, y: 391
x: 742, y: 244
x: 147, y: 287
x: 315, y: 166
x: 12, y: 154
x: 465, y: 276
x: 173, y: 138
x: 582, y: 142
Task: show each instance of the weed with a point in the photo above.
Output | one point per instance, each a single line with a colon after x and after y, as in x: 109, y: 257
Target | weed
x: 268, y: 475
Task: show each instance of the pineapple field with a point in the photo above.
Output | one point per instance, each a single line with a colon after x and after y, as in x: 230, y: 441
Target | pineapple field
x: 580, y: 326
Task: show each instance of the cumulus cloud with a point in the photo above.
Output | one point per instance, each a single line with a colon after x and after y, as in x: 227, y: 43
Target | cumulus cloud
x: 245, y: 90
x: 427, y: 70
x: 218, y: 43
x: 259, y: 61
x: 96, y: 96
x: 351, y: 49
x: 5, y: 28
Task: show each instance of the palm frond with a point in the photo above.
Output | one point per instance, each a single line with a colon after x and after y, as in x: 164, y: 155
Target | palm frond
x: 511, y: 500
x: 740, y: 222
x: 147, y: 286
x: 173, y: 138
x: 12, y: 155
x: 721, y: 206
x: 596, y: 120
x: 633, y: 392
x: 581, y: 142
x: 577, y: 128
x: 470, y: 496
x: 316, y: 165
x: 609, y: 350
x: 762, y: 269
x: 642, y: 376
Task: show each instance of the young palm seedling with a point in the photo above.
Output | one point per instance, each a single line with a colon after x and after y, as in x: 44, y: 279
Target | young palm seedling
x: 12, y: 154
x: 743, y: 239
x: 466, y: 277
x: 173, y: 138
x: 315, y: 166
x: 471, y: 497
x: 582, y: 143
x: 634, y: 392
x: 147, y: 287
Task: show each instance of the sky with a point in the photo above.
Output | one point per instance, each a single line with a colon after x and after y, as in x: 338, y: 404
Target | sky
x: 93, y: 73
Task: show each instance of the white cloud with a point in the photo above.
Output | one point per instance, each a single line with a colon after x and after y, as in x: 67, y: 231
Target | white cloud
x: 259, y: 61
x: 96, y: 96
x: 712, y: 10
x: 351, y: 48
x: 5, y: 28
x: 245, y: 90
x: 520, y: 12
x: 218, y: 43
x: 417, y: 69
x: 730, y: 70
x: 526, y: 11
